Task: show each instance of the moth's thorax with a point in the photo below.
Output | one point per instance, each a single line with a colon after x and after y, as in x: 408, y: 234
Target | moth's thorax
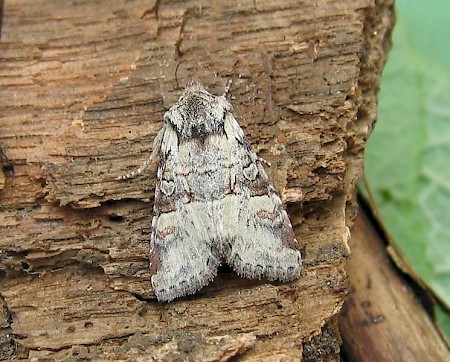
x: 198, y: 113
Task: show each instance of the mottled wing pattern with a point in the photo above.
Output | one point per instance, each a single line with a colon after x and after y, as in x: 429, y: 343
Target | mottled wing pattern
x: 214, y: 203
x: 264, y: 242
x: 184, y: 256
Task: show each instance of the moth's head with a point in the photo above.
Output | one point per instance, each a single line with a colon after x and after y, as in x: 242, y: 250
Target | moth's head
x: 197, y: 113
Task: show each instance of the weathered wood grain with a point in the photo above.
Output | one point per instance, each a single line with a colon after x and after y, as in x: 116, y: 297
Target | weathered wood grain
x: 383, y: 320
x: 84, y: 87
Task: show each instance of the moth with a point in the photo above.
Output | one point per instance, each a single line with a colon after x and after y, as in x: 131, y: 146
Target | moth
x: 214, y: 202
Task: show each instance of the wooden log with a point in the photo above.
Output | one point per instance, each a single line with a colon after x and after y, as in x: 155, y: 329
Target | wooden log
x: 87, y: 85
x: 383, y: 319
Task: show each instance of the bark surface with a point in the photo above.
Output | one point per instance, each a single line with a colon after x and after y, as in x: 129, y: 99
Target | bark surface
x: 85, y: 85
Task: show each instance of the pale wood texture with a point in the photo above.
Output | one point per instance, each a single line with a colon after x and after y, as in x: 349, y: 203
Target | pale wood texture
x: 382, y: 320
x: 84, y: 87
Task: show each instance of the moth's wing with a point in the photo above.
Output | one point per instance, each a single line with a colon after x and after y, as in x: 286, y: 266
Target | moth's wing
x: 263, y: 242
x: 182, y: 256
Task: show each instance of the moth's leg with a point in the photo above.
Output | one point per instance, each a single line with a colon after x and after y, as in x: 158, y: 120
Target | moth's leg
x: 151, y: 159
x: 227, y: 88
x: 262, y: 160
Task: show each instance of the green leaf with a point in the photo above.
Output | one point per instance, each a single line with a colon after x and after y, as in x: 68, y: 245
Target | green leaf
x: 443, y: 319
x: 408, y: 155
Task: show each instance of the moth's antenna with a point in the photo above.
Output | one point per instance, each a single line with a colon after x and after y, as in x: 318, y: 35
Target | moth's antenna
x: 176, y: 72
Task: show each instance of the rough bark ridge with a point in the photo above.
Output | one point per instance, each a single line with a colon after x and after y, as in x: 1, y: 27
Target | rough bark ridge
x: 85, y: 86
